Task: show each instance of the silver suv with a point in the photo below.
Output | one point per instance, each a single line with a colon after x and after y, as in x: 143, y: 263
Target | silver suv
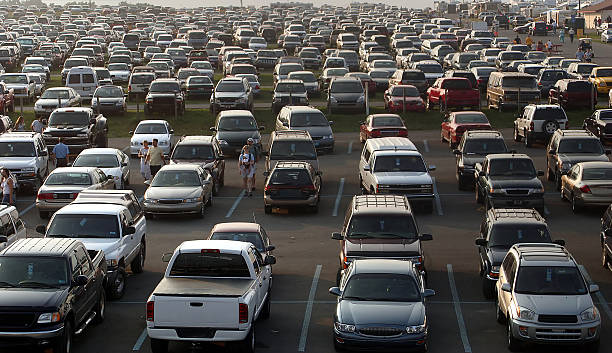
x: 543, y: 297
x: 539, y: 122
x: 232, y: 93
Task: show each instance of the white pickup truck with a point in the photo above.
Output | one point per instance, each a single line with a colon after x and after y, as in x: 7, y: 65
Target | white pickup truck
x: 212, y: 291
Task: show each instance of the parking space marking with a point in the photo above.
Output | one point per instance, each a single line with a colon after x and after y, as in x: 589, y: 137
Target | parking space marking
x: 350, y: 148
x: 308, y: 312
x: 437, y: 197
x: 233, y: 208
x: 140, y: 340
x: 338, y: 197
x: 462, y: 329
x: 426, y: 146
x: 27, y: 209
x: 602, y: 301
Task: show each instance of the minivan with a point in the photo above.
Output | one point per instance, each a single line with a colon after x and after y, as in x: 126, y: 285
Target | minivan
x: 83, y: 79
x: 511, y: 88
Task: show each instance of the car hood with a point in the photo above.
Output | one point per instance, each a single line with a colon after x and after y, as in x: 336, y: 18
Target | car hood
x: 316, y: 131
x: 346, y: 96
x: 108, y: 245
x: 32, y: 298
x: 574, y: 158
x: 115, y: 171
x: 381, y: 313
x: 119, y: 72
x: 514, y: 182
x: 18, y: 162
x: 391, y: 247
x: 50, y: 101
x: 161, y: 192
x: 149, y: 137
x: 229, y: 94
x: 237, y: 136
x: 393, y: 178
x: 555, y: 304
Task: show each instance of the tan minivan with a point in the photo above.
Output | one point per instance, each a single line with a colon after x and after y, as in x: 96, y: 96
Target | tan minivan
x: 509, y: 89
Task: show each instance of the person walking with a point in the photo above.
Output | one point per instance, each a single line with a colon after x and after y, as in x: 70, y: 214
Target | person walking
x: 145, y: 167
x: 562, y: 35
x: 254, y: 152
x: 517, y: 40
x: 529, y: 41
x: 571, y: 34
x: 246, y: 160
x: 554, y: 26
x: 38, y: 125
x: 60, y: 153
x: 155, y: 158
x: 549, y: 47
x: 20, y: 124
x: 8, y: 187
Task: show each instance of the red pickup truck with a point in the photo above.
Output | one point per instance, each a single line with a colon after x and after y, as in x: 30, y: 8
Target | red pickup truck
x: 7, y: 99
x: 457, y: 92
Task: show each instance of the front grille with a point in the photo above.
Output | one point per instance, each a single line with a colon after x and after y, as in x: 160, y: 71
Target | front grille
x: 16, y: 320
x: 517, y: 192
x: 405, y: 190
x: 163, y: 100
x: 608, y: 129
x: 558, y: 319
x: 226, y: 99
x: 380, y: 331
x: 171, y: 201
x: 196, y: 332
x: 558, y: 334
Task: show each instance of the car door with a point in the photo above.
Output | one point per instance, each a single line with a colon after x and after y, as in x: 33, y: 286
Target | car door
x: 482, y: 250
x: 507, y: 272
x: 266, y: 273
x: 206, y: 181
x: 7, y: 229
x: 87, y: 270
x: 78, y: 293
x: 129, y: 242
x: 124, y: 162
x: 363, y: 161
x: 446, y: 125
x: 550, y: 158
x: 606, y: 225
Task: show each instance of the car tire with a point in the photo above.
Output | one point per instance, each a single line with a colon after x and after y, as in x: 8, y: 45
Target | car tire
x: 592, y: 347
x: 137, y: 265
x: 528, y: 140
x: 517, y: 136
x: 248, y: 344
x: 514, y: 345
x: 265, y: 311
x: 550, y: 125
x: 558, y: 181
x: 267, y: 209
x: 337, y: 346
x: 159, y: 346
x: 575, y: 207
x: 63, y: 344
x: 100, y: 309
x: 499, y: 314
x: 488, y: 288
x: 116, y: 290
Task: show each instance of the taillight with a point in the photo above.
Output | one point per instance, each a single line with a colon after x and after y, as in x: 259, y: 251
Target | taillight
x: 460, y: 129
x: 243, y: 313
x: 375, y: 133
x: 150, y: 310
x: 345, y: 263
x: 45, y: 196
x: 256, y: 86
x: 531, y: 125
x: 403, y: 133
x: 586, y: 189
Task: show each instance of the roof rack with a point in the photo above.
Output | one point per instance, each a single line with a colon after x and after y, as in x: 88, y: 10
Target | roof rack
x: 576, y: 132
x: 380, y: 201
x: 500, y: 213
x: 483, y: 132
x: 292, y: 132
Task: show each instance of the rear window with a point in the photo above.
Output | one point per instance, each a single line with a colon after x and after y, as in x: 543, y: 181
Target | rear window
x: 579, y: 86
x: 413, y: 75
x: 522, y: 82
x: 290, y: 177
x: 549, y: 113
x: 143, y: 78
x: 381, y: 226
x: 456, y: 84
x: 293, y: 150
x: 210, y: 265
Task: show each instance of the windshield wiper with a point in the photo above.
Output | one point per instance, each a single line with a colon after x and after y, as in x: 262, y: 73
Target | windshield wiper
x: 35, y: 284
x: 358, y: 236
x: 60, y: 236
x: 353, y: 297
x: 6, y: 284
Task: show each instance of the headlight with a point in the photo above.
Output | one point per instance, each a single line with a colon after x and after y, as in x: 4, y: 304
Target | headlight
x: 496, y: 191
x: 590, y: 314
x: 135, y: 143
x: 111, y: 262
x: 119, y: 103
x: 223, y: 142
x: 330, y: 136
x: 48, y: 318
x: 84, y: 134
x: 193, y: 199
x: 241, y: 100
x: 416, y: 328
x: 150, y: 201
x: 381, y: 186
x: 29, y: 169
x: 344, y: 327
x: 537, y: 191
x: 524, y: 313
x: 360, y: 99
x: 163, y: 143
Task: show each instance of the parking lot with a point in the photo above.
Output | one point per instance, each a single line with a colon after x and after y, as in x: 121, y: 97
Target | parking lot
x: 460, y: 319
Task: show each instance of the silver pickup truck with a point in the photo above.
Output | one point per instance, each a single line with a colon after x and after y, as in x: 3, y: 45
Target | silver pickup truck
x: 212, y: 291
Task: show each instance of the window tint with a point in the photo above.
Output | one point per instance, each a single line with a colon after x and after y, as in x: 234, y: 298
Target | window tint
x: 6, y: 228
x: 550, y: 280
x: 504, y: 236
x: 382, y: 287
x: 381, y: 226
x: 74, y: 79
x: 210, y: 264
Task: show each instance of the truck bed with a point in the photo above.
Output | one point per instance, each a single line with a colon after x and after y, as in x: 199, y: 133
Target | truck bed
x: 203, y: 287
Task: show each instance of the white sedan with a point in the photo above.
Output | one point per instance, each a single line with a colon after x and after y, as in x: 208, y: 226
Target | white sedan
x: 119, y: 72
x: 149, y: 130
x: 606, y: 36
x: 110, y: 160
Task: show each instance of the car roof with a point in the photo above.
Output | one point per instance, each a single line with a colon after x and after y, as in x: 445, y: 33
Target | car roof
x: 91, y: 208
x: 383, y: 266
x: 515, y: 215
x: 543, y: 254
x: 381, y: 204
x: 196, y: 139
x: 228, y: 246
x: 40, y: 247
x: 181, y: 166
x: 100, y: 150
x: 236, y: 227
x: 507, y: 155
x: 595, y: 164
x: 153, y: 121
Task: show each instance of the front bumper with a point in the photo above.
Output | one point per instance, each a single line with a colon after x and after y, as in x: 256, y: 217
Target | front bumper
x: 401, y: 343
x: 323, y: 143
x: 592, y: 200
x: 22, y: 338
x: 173, y: 208
x: 555, y: 333
x: 229, y: 105
x: 347, y: 106
x: 393, y: 108
x: 505, y: 201
x: 170, y: 334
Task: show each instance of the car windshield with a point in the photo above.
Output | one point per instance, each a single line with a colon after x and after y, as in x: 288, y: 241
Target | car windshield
x: 286, y: 69
x: 201, y: 152
x: 346, y: 87
x: 225, y: 86
x: 522, y: 82
x: 549, y: 280
x: 604, y: 73
x: 202, y: 65
x: 404, y: 91
x: 580, y: 146
x: 511, y: 56
x: 303, y: 77
x: 176, y: 178
x: 211, y: 263
x: 597, y: 174
x: 118, y: 67
x: 19, y: 79
x: 549, y: 75
x: 384, y: 64
x: 549, y: 113
x: 165, y: 87
x: 33, y: 271
x: 511, y: 167
x: 238, y: 123
x: 69, y: 118
x: 108, y: 92
x: 382, y: 226
x: 248, y: 237
x: 68, y: 178
x: 199, y: 80
x: 290, y: 87
x: 388, y: 287
x: 399, y: 164
x: 96, y: 160
x: 504, y: 236
x: 467, y: 57
x: 341, y: 71
x: 308, y: 119
x: 532, y: 70
x: 431, y: 69
x: 468, y: 118
x: 585, y: 69
x: 293, y: 150
x: 484, y: 146
x: 55, y: 94
x: 17, y: 149
x: 142, y: 79
x: 84, y: 226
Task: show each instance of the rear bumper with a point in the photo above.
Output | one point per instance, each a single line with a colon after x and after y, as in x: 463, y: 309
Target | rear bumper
x: 219, y: 335
x: 311, y: 201
x: 51, y: 206
x: 593, y: 200
x: 517, y: 202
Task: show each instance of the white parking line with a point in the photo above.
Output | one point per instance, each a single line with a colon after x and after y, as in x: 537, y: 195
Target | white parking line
x: 233, y: 208
x: 426, y: 145
x: 600, y: 297
x: 27, y: 209
x: 462, y: 330
x: 338, y: 197
x: 437, y: 197
x: 308, y: 312
x: 140, y: 340
x: 350, y: 148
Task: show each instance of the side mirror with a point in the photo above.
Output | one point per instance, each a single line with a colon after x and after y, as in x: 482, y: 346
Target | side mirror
x: 124, y: 164
x: 425, y: 237
x: 129, y: 230
x: 3, y: 239
x: 171, y: 131
x: 506, y: 287
x: 42, y: 229
x: 593, y: 288
x: 559, y: 242
x: 540, y: 173
x: 166, y: 257
x: 366, y: 168
x: 457, y: 152
x: 80, y: 280
x: 429, y: 293
x: 481, y: 242
x: 270, y: 260
x: 337, y: 236
x: 212, y: 128
x: 270, y: 247
x: 131, y: 132
x: 432, y: 167
x: 331, y: 122
x: 335, y: 291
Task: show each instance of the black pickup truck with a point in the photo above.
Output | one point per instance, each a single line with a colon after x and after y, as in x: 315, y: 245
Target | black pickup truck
x: 165, y: 95
x: 50, y: 290
x: 80, y: 128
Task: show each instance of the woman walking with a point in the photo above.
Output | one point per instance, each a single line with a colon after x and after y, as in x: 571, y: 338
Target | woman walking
x: 246, y: 167
x: 8, y: 187
x: 145, y: 167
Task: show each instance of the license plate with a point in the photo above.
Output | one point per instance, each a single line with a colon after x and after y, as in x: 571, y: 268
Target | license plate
x: 517, y: 202
x: 281, y: 210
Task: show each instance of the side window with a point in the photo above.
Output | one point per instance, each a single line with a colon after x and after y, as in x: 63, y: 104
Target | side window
x: 512, y: 272
x: 507, y: 263
x: 83, y: 260
x: 74, y: 79
x: 74, y: 265
x: 366, y: 154
x: 19, y: 225
x: 6, y: 227
x: 88, y: 78
x: 253, y: 260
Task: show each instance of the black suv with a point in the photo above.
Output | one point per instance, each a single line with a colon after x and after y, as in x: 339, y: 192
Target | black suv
x: 474, y: 146
x: 165, y: 95
x: 288, y: 92
x: 80, y: 128
x: 568, y: 147
x: 205, y: 151
x: 501, y: 229
x: 509, y: 180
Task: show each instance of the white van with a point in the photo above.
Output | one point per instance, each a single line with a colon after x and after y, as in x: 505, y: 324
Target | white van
x: 12, y: 227
x: 83, y: 79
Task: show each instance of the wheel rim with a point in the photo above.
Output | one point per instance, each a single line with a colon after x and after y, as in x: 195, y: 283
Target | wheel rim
x: 550, y: 128
x: 119, y: 282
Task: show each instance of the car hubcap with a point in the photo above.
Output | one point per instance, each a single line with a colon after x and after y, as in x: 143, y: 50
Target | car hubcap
x: 119, y: 283
x: 550, y: 128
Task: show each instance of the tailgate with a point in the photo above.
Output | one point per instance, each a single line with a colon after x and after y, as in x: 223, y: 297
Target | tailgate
x: 196, y: 312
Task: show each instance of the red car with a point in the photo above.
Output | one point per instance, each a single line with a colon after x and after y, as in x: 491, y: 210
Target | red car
x: 412, y: 101
x: 457, y: 123
x: 382, y: 125
x: 449, y: 92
